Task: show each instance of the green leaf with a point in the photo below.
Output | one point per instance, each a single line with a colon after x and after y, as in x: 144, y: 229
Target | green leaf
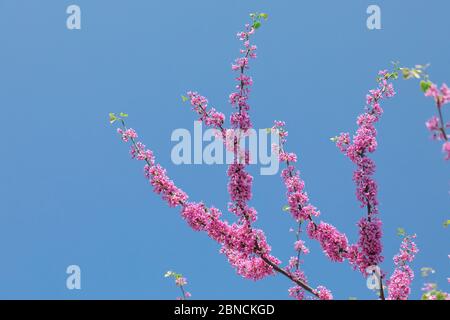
x: 112, y: 118
x: 264, y: 16
x: 184, y: 98
x: 257, y: 24
x: 446, y: 223
x: 401, y: 232
x: 286, y: 208
x: 124, y: 115
x: 406, y: 73
x: 334, y: 139
x: 441, y: 295
x: 416, y: 73
x: 425, y: 85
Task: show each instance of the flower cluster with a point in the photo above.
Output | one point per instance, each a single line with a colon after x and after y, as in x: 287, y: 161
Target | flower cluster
x: 297, y: 292
x: 436, y: 125
x: 180, y: 282
x: 300, y: 246
x: 446, y: 150
x: 139, y: 152
x: 165, y: 187
x: 431, y: 292
x: 298, y: 200
x: 245, y: 248
x: 211, y: 117
x: 127, y: 134
x: 155, y: 173
x: 249, y: 252
x: 239, y: 99
x: 250, y: 267
x: 369, y: 244
x: 196, y: 215
x: 334, y: 243
x: 441, y: 96
x: 369, y: 248
x: 400, y: 282
x: 324, y: 293
x: 240, y: 185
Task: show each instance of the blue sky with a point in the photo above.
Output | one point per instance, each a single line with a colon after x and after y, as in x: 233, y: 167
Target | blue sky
x: 71, y: 195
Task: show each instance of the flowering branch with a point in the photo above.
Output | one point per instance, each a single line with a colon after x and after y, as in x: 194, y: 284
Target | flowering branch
x: 400, y: 282
x: 246, y: 247
x: 238, y: 241
x: 240, y: 183
x: 436, y: 124
x: 180, y: 282
x: 368, y: 251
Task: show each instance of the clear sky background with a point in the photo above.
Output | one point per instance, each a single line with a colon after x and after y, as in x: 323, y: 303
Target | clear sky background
x: 69, y: 194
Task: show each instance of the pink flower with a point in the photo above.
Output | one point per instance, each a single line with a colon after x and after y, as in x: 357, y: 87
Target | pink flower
x: 164, y: 186
x: 333, y: 243
x: 436, y: 125
x: 250, y: 267
x: 408, y: 251
x: 368, y: 250
x: 240, y: 184
x: 180, y: 281
x: 211, y: 118
x: 293, y: 262
x: 369, y: 243
x: 446, y: 150
x: 297, y: 293
x: 127, y: 134
x: 428, y: 287
x: 299, y: 246
x: 214, y: 119
x: 323, y: 293
x: 441, y: 96
x: 433, y: 124
x: 139, y: 152
x: 432, y: 92
x: 445, y: 93
x: 343, y: 141
x: 288, y: 157
x: 400, y: 282
x: 196, y: 216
